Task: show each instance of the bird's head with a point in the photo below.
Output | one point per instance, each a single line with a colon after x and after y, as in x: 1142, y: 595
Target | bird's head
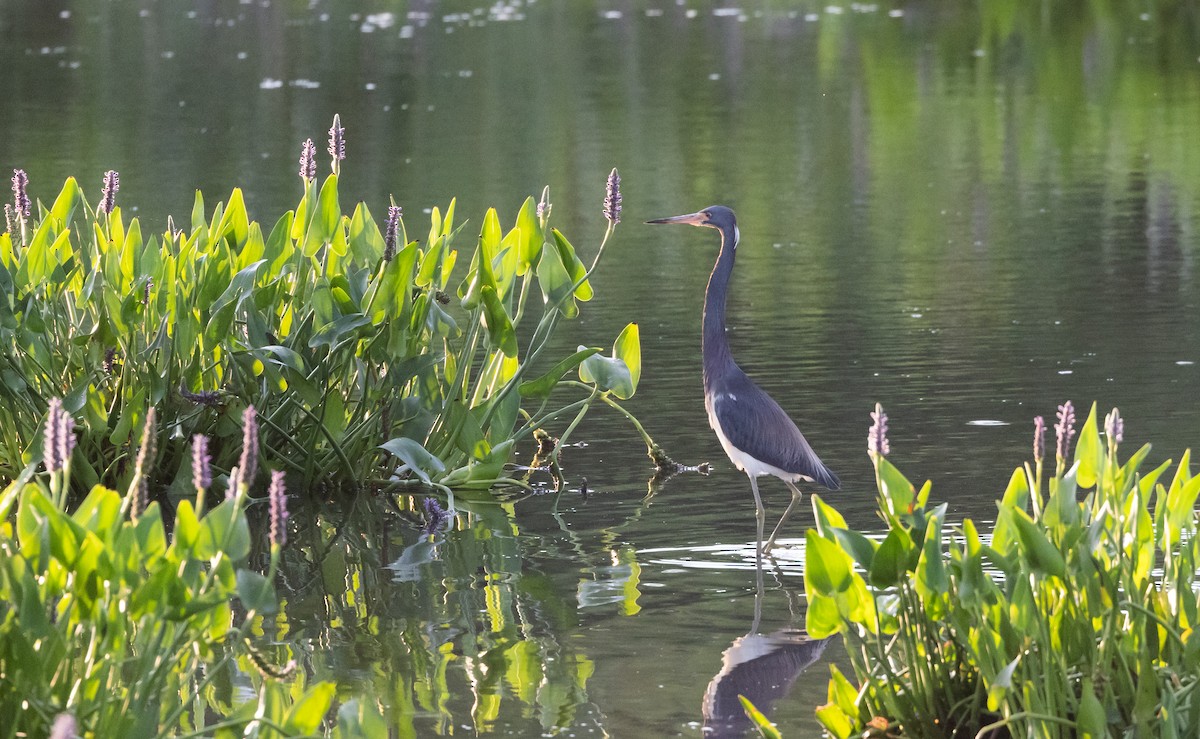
x: 714, y: 216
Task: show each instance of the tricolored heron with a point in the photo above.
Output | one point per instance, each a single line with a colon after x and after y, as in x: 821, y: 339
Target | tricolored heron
x: 755, y: 432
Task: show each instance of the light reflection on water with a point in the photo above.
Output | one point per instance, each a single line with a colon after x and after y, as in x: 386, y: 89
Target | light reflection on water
x: 965, y: 218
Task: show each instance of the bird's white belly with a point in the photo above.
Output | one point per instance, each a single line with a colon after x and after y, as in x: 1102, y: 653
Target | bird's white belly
x: 742, y: 460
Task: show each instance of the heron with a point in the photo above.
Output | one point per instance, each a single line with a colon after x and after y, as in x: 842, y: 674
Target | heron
x: 755, y: 432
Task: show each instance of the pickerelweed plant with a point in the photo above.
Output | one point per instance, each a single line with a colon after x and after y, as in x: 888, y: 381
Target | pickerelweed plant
x: 1076, y: 618
x: 339, y: 332
x: 132, y: 628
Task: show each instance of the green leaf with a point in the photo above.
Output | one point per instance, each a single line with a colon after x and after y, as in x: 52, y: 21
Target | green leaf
x: 628, y: 348
x: 890, y: 563
x: 256, y: 592
x: 306, y: 714
x: 932, y: 580
x: 544, y: 385
x: 420, y: 461
x: 1040, y: 552
x: 1089, y: 452
x: 532, y: 237
x: 573, y: 265
x: 826, y: 567
x: 999, y: 686
x: 357, y: 719
x: 223, y: 529
x: 608, y: 374
x: 498, y: 324
x: 826, y: 516
x: 326, y: 218
x: 760, y: 722
x: 1092, y: 719
x: 556, y: 283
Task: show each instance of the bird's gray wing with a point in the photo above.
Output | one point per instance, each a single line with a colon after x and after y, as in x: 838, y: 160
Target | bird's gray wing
x: 754, y: 423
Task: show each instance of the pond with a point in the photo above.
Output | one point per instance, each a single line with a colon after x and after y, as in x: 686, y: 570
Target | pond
x: 969, y: 213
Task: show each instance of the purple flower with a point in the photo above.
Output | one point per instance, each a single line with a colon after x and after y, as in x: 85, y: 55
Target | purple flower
x: 877, y: 441
x: 1065, y: 429
x: 1039, y: 439
x: 108, y: 197
x: 390, y: 233
x: 201, y: 463
x: 277, y: 494
x: 337, y: 140
x: 58, y: 439
x: 8, y: 217
x: 1114, y: 426
x: 308, y: 160
x: 612, y: 198
x: 64, y: 727
x: 543, y: 206
x: 21, y: 202
x: 145, y: 458
x: 248, y: 464
x: 434, y: 516
x: 204, y: 397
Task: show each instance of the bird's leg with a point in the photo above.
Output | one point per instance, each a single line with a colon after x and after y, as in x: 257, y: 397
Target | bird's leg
x: 796, y: 495
x: 760, y: 514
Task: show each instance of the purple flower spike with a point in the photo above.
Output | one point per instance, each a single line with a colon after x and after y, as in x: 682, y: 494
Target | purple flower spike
x: 1114, y: 426
x: 543, y: 206
x: 1039, y: 439
x: 248, y: 464
x: 877, y: 441
x: 64, y: 727
x: 108, y: 198
x: 21, y: 202
x: 277, y: 493
x: 612, y: 198
x: 390, y: 233
x: 337, y: 140
x: 201, y: 463
x: 434, y: 515
x: 1065, y: 429
x: 308, y: 160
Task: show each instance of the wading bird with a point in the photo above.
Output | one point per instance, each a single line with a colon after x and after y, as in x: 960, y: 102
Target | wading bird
x: 755, y: 432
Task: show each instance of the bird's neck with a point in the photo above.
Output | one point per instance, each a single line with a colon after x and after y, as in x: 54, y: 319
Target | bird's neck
x: 716, y: 346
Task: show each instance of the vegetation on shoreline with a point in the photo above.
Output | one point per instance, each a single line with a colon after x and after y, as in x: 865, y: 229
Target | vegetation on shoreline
x: 1075, y: 619
x: 340, y: 332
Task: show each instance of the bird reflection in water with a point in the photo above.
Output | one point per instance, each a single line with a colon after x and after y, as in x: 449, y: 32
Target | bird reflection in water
x: 762, y: 667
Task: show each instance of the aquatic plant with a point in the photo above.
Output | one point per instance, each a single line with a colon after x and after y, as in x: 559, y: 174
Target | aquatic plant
x: 342, y: 335
x: 1075, y: 619
x: 115, y: 624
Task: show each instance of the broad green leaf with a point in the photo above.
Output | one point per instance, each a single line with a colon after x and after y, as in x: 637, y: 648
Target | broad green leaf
x: 544, y: 385
x: 256, y: 592
x: 326, y: 217
x: 573, y: 265
x: 496, y: 321
x: 555, y: 283
x: 415, y: 456
x: 532, y: 237
x: 306, y: 714
x: 1039, y: 550
x: 608, y: 374
x: 890, y: 564
x: 628, y: 348
x: 1089, y: 452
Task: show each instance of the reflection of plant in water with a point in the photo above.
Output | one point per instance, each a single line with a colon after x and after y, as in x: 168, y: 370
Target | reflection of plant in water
x: 432, y: 626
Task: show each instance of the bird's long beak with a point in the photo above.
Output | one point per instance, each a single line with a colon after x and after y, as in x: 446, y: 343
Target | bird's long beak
x: 692, y: 219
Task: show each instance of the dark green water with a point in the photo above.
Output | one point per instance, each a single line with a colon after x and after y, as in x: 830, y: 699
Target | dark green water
x: 967, y: 213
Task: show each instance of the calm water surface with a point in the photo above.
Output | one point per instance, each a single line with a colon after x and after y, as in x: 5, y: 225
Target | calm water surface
x: 969, y: 218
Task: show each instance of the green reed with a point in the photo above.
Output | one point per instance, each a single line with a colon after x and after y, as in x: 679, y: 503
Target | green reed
x: 1075, y: 619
